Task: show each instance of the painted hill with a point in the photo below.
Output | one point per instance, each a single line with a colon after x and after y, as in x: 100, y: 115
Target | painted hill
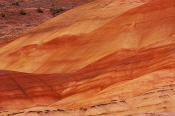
x: 104, y: 58
x: 73, y: 27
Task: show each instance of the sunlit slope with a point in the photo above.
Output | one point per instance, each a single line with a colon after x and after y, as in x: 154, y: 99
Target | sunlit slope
x: 83, y: 19
x: 124, y: 67
x: 76, y: 22
x: 149, y: 25
x: 126, y: 73
x: 125, y: 82
x: 151, y: 93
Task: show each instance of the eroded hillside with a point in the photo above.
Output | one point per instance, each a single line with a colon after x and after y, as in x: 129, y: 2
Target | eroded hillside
x: 104, y: 58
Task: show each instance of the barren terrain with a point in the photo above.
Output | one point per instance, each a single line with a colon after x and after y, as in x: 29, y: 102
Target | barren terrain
x: 104, y: 58
x: 14, y: 24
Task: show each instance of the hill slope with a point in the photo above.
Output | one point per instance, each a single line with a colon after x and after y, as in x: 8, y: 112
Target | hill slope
x: 63, y: 34
x: 121, y: 65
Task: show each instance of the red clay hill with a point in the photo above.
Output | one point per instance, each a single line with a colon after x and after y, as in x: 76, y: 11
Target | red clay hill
x: 104, y: 58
